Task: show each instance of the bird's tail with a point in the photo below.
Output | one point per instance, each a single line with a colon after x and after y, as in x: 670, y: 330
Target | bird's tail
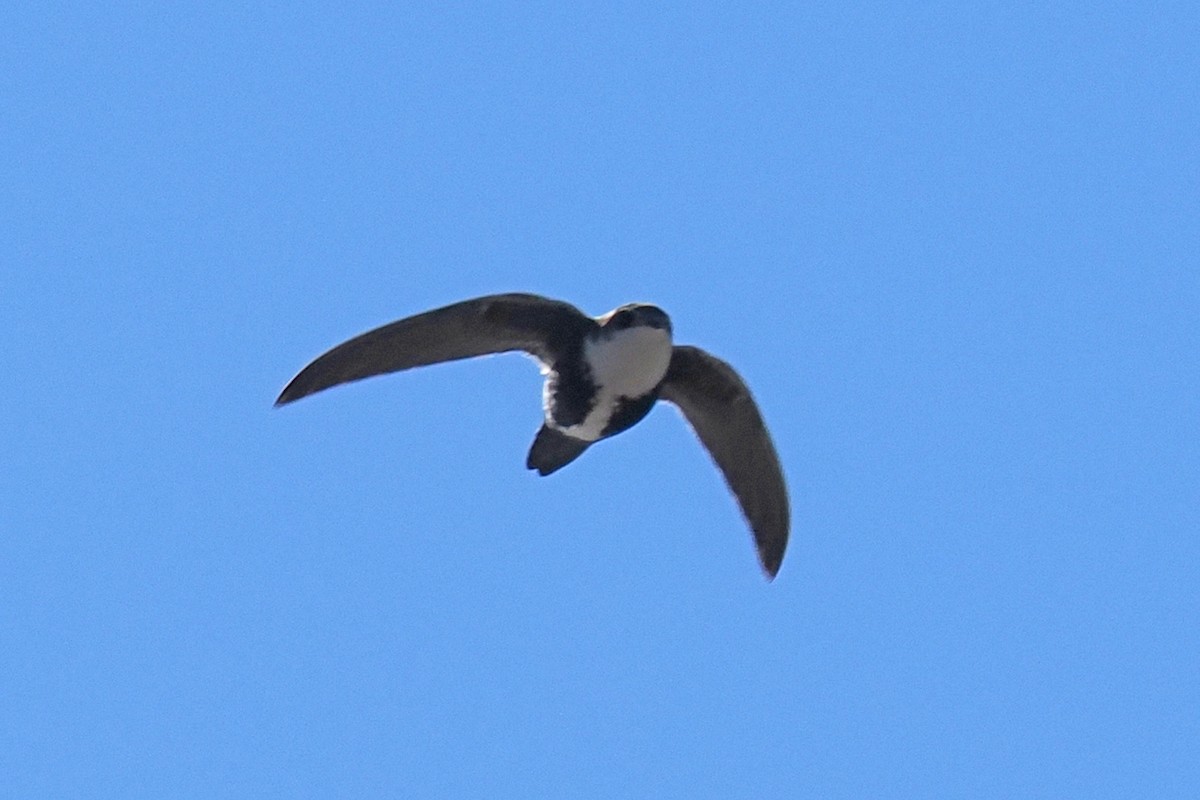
x: 552, y: 450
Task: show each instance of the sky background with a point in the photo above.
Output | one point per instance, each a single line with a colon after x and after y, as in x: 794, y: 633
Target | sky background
x: 952, y: 249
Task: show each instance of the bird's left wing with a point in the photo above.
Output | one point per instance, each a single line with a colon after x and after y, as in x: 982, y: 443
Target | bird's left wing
x: 717, y: 404
x: 492, y: 324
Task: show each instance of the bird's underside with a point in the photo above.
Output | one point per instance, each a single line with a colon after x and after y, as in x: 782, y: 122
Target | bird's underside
x: 710, y: 394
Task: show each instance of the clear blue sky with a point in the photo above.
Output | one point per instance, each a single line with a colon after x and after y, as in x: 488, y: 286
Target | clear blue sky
x: 953, y: 249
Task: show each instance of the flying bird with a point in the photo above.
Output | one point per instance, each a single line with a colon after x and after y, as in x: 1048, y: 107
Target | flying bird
x: 603, y: 375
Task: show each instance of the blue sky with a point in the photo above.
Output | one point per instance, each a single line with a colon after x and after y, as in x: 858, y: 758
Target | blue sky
x: 952, y: 249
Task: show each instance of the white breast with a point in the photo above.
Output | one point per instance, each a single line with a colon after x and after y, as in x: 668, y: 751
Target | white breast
x: 627, y: 363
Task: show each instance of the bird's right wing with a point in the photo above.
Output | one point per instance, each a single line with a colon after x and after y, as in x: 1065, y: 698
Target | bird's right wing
x: 717, y: 404
x: 492, y: 324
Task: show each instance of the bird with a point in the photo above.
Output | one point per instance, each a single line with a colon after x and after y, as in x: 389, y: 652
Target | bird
x: 602, y: 376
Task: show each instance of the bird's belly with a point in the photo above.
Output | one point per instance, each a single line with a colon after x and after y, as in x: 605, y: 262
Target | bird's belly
x: 621, y: 376
x: 609, y: 415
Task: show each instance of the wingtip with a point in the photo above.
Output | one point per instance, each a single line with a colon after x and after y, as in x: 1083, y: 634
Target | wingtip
x: 295, y: 390
x: 285, y: 397
x: 770, y: 562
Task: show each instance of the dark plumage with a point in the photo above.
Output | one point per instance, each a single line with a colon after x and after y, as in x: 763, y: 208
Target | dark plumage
x: 603, y: 375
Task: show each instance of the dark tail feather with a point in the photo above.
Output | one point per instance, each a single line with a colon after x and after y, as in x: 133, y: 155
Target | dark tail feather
x: 553, y: 450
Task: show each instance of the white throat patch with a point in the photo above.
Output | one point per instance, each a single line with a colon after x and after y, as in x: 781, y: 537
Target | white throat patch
x: 630, y: 362
x: 625, y: 363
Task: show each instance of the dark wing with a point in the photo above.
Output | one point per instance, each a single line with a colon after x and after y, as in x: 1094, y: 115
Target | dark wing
x: 493, y: 324
x: 718, y: 405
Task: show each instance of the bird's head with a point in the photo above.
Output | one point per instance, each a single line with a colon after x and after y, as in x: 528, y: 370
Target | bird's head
x: 635, y: 315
